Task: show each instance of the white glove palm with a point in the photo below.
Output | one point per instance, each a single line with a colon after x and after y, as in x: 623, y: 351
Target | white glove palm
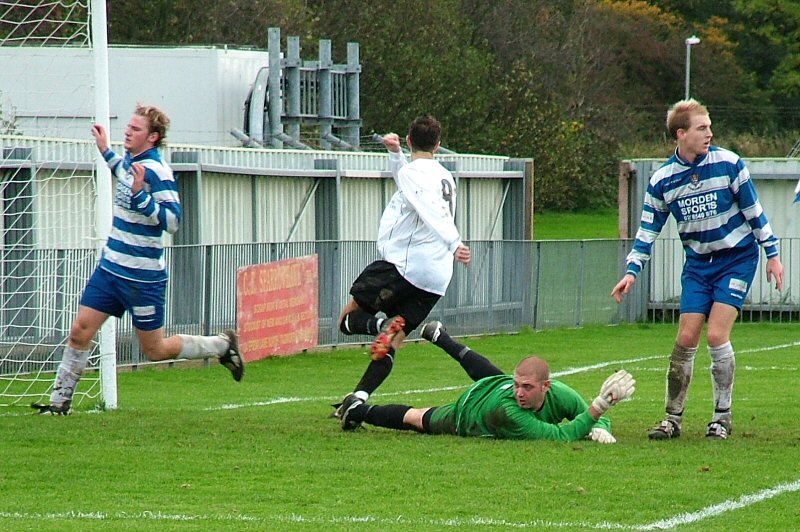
x: 601, y: 435
x: 616, y: 388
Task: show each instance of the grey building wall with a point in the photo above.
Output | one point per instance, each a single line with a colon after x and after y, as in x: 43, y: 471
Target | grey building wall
x: 202, y: 89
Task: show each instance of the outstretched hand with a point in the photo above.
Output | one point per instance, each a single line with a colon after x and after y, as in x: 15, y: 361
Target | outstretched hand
x: 616, y: 388
x: 463, y: 255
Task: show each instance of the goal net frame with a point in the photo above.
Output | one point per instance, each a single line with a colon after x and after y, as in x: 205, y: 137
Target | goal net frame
x: 55, y: 209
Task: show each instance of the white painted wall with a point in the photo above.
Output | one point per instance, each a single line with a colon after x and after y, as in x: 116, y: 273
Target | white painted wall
x: 203, y: 90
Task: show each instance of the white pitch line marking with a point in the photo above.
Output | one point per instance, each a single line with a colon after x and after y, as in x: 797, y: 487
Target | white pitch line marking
x: 561, y: 373
x: 126, y: 516
x: 583, y: 369
x: 723, y: 507
x: 282, y: 400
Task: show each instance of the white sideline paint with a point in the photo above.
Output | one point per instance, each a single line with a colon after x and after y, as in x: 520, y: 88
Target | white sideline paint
x: 568, y: 371
x: 281, y: 400
x: 768, y: 348
x: 663, y: 524
x: 125, y: 516
x: 582, y: 369
x: 727, y: 506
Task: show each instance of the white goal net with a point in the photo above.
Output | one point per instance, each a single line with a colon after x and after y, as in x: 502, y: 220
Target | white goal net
x: 52, y: 79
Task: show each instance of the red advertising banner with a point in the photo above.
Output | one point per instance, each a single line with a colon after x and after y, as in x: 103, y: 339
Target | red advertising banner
x: 277, y: 307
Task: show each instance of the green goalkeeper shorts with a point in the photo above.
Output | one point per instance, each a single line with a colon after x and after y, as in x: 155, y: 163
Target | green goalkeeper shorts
x: 443, y: 420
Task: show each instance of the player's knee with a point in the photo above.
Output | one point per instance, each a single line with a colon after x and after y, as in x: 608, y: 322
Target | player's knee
x: 80, y: 335
x: 717, y: 338
x: 154, y: 353
x: 687, y: 339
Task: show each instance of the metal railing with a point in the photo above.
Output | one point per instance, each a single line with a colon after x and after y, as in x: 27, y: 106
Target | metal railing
x: 508, y: 286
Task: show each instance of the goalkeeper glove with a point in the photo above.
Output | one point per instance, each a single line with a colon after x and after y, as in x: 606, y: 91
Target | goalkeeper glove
x: 616, y: 388
x: 601, y: 435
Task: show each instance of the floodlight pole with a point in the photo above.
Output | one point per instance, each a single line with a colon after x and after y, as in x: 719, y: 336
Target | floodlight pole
x: 690, y: 41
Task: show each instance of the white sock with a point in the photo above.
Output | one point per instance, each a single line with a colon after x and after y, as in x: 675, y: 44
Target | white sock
x: 723, y: 365
x: 361, y: 394
x: 679, y: 376
x: 73, y: 362
x: 194, y: 347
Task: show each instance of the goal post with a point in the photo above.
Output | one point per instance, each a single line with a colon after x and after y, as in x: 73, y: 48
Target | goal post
x: 56, y: 209
x: 104, y: 215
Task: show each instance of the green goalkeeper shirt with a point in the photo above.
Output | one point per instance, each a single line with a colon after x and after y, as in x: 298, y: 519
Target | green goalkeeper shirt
x: 488, y: 408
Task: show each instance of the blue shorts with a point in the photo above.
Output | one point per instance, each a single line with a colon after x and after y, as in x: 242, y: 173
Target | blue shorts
x: 114, y: 295
x: 724, y: 278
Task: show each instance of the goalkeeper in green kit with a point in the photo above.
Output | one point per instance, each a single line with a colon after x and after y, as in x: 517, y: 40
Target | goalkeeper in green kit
x: 527, y: 405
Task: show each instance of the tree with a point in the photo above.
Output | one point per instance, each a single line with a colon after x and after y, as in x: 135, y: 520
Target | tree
x: 759, y: 38
x: 415, y: 59
x: 182, y: 22
x: 771, y: 30
x: 564, y: 82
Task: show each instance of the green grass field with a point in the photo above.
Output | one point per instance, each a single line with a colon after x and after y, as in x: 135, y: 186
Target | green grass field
x: 576, y: 225
x: 190, y: 449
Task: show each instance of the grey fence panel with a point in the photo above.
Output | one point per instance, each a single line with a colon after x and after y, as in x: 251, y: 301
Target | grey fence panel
x: 509, y: 285
x: 353, y: 256
x: 600, y: 274
x: 559, y: 284
x: 492, y: 294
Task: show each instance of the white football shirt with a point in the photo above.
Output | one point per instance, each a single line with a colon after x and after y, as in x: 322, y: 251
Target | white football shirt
x: 417, y: 232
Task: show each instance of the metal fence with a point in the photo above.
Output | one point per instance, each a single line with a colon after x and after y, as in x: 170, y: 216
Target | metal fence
x: 492, y: 295
x: 508, y: 286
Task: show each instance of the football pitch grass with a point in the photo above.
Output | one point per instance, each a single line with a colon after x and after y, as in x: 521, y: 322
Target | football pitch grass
x: 190, y: 449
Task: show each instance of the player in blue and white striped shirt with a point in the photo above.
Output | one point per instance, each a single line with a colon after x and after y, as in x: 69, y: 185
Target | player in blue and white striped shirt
x: 721, y: 224
x: 131, y: 275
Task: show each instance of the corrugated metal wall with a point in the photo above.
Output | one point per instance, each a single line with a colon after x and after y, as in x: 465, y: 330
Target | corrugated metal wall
x: 64, y: 208
x: 240, y: 195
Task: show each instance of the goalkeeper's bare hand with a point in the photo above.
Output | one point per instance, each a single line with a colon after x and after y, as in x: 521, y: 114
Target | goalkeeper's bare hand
x: 616, y: 388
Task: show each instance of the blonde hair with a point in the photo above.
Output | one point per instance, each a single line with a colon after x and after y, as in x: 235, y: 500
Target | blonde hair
x: 680, y: 115
x: 156, y: 118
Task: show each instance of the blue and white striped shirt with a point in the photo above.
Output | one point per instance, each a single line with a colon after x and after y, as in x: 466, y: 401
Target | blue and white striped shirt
x: 714, y: 203
x: 135, y: 247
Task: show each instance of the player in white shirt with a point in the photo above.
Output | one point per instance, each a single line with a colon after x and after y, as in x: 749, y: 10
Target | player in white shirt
x: 418, y: 241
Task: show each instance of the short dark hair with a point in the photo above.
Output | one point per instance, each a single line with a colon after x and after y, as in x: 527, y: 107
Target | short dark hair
x: 425, y: 133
